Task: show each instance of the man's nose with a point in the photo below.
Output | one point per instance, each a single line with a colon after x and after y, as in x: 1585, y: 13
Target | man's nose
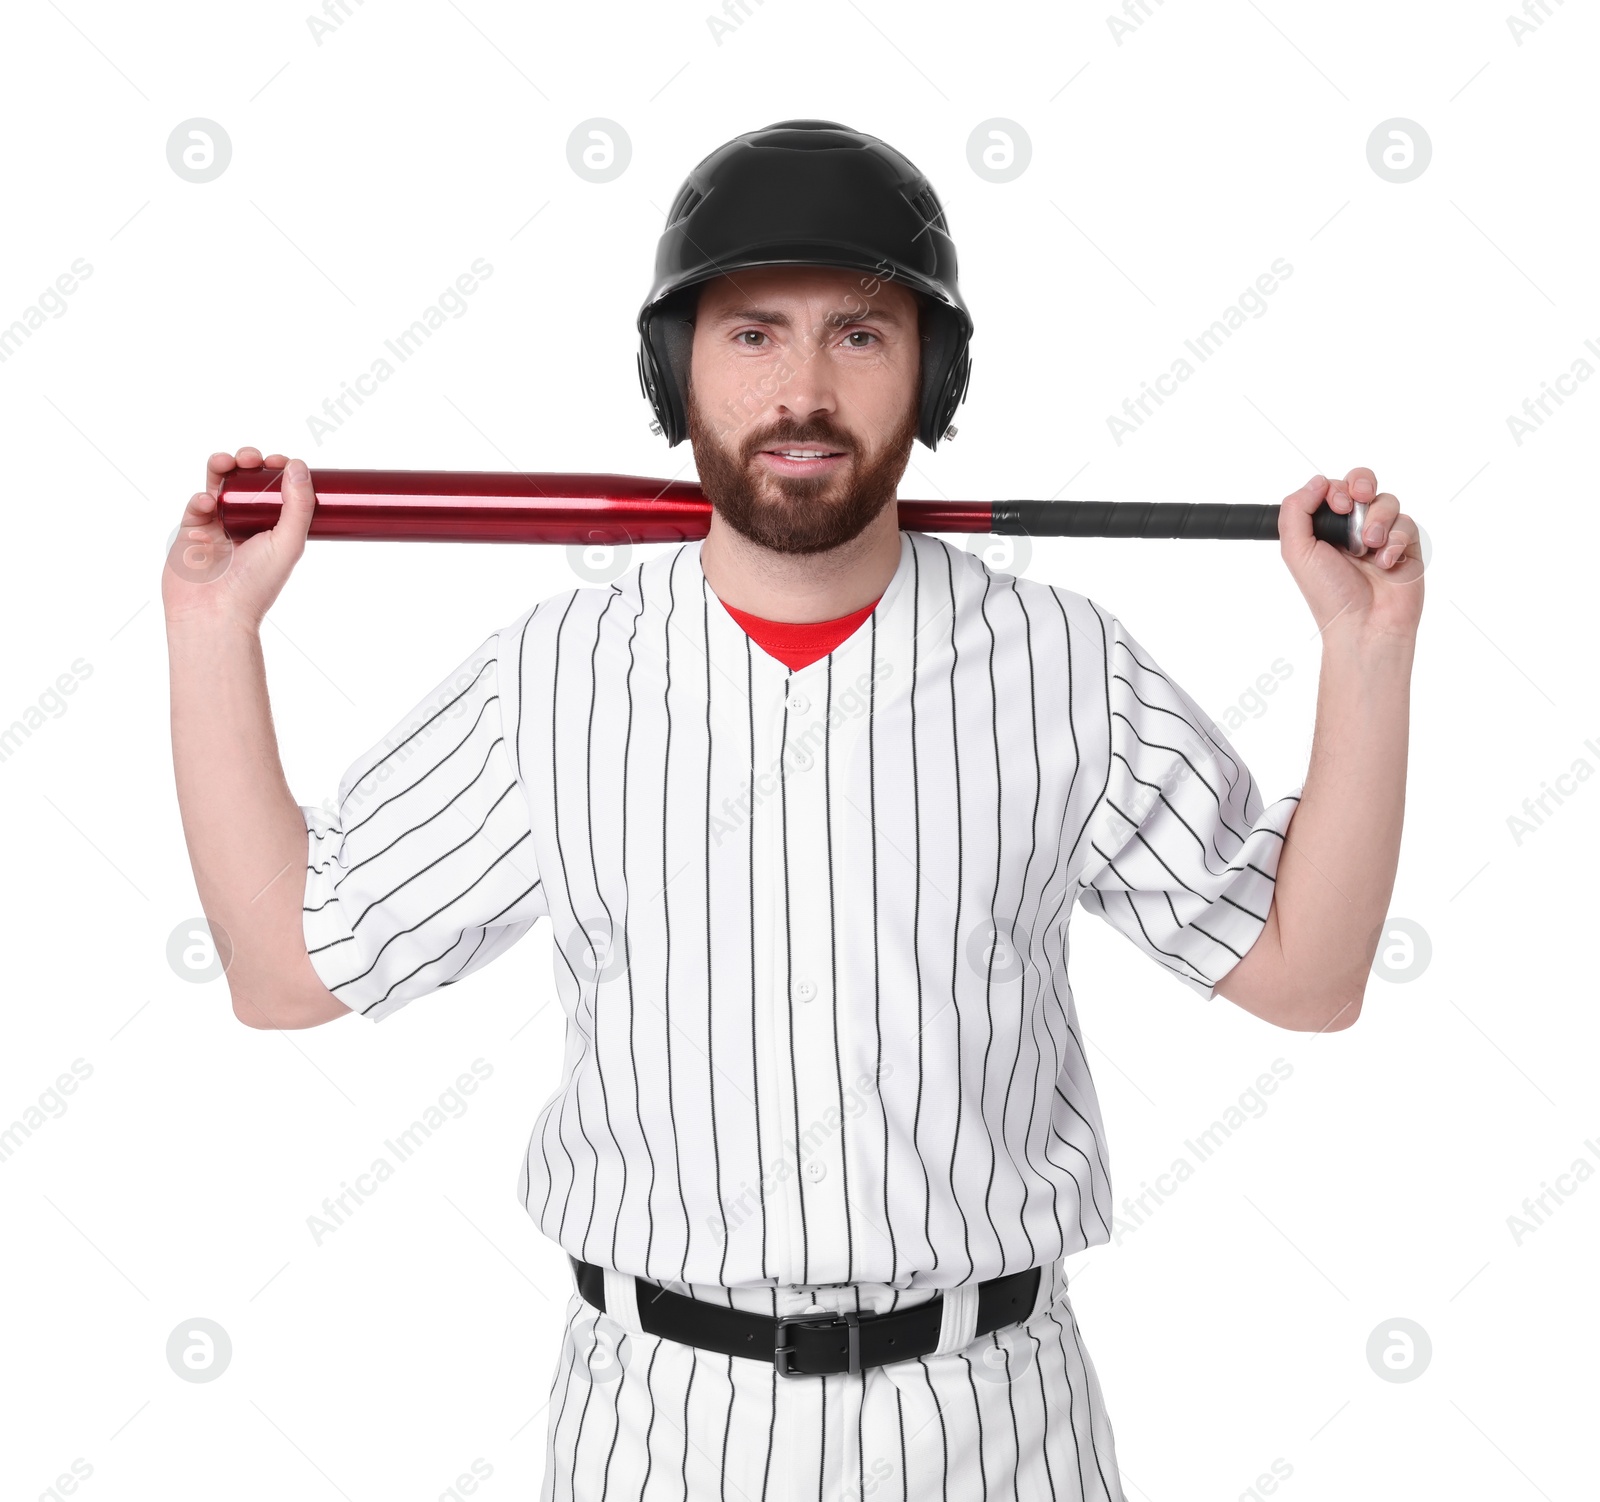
x: 808, y: 391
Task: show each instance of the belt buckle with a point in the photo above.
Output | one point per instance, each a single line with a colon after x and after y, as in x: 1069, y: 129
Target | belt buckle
x: 781, y: 1352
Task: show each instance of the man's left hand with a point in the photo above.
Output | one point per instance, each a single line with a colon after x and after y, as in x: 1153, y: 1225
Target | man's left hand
x: 1379, y: 593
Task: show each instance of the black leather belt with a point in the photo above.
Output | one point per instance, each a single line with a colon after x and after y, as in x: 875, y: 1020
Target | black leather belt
x: 805, y: 1345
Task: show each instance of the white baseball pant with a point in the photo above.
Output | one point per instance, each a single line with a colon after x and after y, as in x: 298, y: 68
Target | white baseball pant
x: 1017, y: 1413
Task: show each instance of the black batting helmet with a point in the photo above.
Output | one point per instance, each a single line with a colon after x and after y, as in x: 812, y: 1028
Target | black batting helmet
x: 811, y: 193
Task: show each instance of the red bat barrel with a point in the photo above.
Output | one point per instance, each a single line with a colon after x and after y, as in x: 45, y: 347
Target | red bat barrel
x: 473, y: 506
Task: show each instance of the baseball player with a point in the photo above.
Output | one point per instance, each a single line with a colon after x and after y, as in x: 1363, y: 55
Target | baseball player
x: 809, y: 805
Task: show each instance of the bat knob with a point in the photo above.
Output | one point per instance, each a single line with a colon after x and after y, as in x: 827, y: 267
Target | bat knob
x: 1343, y: 532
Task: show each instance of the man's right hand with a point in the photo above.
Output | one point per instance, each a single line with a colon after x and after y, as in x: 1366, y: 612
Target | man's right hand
x: 208, y: 577
x: 247, y: 840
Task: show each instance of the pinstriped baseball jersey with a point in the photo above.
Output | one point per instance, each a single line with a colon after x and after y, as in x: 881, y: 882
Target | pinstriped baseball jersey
x: 810, y: 927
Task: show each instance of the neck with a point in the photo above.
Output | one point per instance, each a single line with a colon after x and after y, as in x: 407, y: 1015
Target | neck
x: 801, y: 586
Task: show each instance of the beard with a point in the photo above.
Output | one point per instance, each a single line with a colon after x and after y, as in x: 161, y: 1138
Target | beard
x: 797, y: 514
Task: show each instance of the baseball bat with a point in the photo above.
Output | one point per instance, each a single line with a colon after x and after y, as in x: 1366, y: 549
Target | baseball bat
x: 394, y: 505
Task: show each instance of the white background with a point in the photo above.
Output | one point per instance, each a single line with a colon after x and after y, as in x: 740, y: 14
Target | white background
x: 1169, y: 169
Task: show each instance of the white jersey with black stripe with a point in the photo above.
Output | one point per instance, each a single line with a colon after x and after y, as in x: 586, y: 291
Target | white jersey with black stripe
x: 811, y: 927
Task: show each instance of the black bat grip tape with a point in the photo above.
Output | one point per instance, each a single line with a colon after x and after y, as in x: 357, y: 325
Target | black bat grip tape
x: 1157, y: 519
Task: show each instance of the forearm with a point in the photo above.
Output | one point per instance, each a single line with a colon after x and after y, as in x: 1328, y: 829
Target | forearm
x: 245, y: 833
x: 1337, y: 869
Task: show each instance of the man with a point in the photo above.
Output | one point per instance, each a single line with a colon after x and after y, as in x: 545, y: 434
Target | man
x: 809, y: 805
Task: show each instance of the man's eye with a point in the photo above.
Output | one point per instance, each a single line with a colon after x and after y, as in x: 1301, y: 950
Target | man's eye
x: 751, y: 334
x: 860, y: 334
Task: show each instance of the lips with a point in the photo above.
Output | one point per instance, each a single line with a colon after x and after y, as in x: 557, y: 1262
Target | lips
x: 800, y: 459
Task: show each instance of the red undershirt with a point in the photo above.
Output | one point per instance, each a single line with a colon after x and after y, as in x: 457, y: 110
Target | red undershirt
x: 797, y: 644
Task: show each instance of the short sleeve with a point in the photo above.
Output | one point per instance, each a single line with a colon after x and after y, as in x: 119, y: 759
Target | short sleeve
x: 426, y: 870
x: 1184, y: 855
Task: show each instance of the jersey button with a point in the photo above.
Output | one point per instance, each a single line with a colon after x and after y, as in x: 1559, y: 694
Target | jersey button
x: 805, y: 990
x: 798, y: 703
x: 816, y: 1170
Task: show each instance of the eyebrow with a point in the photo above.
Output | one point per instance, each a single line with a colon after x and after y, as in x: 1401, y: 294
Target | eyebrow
x: 780, y: 320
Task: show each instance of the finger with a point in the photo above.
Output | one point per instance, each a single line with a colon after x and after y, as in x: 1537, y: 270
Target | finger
x: 1362, y: 484
x: 201, y: 510
x: 1381, y: 514
x: 275, y: 461
x: 249, y: 458
x: 217, y: 466
x: 299, y: 502
x: 1294, y: 515
x: 1405, y: 542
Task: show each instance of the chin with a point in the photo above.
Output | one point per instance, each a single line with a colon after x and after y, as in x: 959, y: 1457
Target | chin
x: 797, y: 525
x: 791, y: 489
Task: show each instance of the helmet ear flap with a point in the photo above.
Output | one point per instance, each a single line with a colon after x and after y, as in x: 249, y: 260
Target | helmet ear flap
x: 946, y: 368
x: 665, y: 345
